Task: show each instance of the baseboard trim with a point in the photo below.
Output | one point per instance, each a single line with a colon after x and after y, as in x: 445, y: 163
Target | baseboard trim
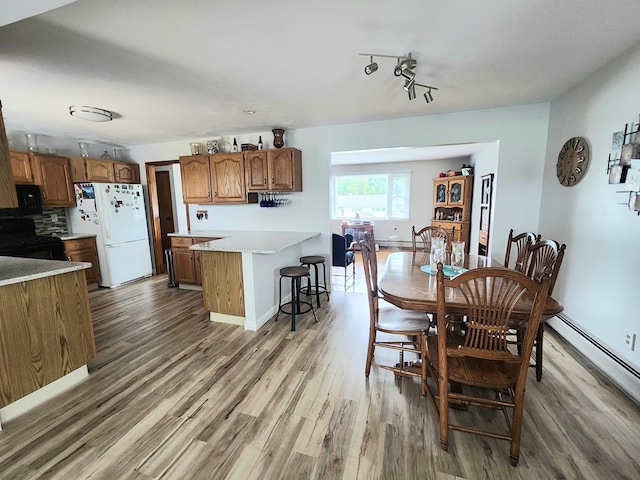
x: 624, y: 375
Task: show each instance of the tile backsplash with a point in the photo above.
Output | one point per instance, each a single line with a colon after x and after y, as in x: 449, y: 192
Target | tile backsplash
x: 51, y: 221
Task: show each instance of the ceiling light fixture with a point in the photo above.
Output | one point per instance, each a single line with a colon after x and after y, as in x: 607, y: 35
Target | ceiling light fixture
x: 248, y: 111
x: 404, y: 68
x: 372, y: 67
x: 91, y: 114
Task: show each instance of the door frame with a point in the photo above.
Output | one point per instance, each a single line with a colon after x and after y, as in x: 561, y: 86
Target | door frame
x: 154, y: 210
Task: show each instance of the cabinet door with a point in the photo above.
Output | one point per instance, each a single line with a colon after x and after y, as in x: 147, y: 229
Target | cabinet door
x: 183, y: 265
x: 8, y: 196
x: 440, y: 193
x: 99, y: 170
x: 196, y: 179
x: 256, y: 168
x: 53, y: 174
x: 125, y: 172
x: 228, y: 179
x: 21, y: 167
x: 285, y: 170
x: 76, y: 252
x: 456, y: 192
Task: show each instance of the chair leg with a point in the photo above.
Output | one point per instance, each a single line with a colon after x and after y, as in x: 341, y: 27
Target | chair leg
x: 294, y: 301
x: 444, y: 412
x: 423, y: 364
x: 370, y: 350
x: 516, y: 428
x: 539, y: 340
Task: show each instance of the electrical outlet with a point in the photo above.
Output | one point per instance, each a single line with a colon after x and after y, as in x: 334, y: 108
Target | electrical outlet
x: 54, y: 217
x: 630, y: 340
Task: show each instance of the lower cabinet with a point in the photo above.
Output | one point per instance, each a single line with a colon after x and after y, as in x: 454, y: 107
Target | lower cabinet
x: 186, y: 263
x: 461, y: 233
x: 84, y: 250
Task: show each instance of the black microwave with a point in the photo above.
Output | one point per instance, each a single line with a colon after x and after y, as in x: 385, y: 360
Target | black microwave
x: 29, y: 199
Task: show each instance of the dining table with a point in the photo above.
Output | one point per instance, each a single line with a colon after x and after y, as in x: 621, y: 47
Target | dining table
x: 408, y: 283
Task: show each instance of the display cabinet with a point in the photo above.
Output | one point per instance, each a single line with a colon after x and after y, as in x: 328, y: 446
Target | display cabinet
x: 452, y: 205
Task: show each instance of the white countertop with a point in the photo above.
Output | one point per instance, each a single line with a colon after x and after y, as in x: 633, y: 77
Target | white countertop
x: 75, y: 236
x: 16, y: 270
x: 248, y: 241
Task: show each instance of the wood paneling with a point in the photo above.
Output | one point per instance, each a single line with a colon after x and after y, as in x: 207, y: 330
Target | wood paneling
x: 8, y: 196
x: 222, y: 283
x: 172, y: 395
x: 45, y: 333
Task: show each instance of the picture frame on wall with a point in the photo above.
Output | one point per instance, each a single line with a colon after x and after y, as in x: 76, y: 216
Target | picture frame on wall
x: 627, y: 153
x: 617, y: 173
x: 618, y: 140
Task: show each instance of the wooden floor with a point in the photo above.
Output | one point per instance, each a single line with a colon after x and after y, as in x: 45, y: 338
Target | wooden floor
x: 173, y: 396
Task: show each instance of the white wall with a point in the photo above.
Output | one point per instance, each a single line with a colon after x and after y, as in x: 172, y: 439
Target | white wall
x: 598, y: 283
x: 522, y: 132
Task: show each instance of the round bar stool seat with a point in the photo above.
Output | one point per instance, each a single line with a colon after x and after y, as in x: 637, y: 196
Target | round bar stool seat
x: 314, y: 260
x: 295, y: 306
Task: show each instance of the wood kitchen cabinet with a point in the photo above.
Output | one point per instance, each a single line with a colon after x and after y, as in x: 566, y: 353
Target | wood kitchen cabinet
x: 8, y: 196
x: 186, y: 263
x: 21, y: 167
x: 103, y: 170
x: 196, y: 179
x: 53, y: 174
x: 84, y: 250
x: 452, y: 205
x: 126, y: 172
x: 276, y: 170
x: 227, y: 178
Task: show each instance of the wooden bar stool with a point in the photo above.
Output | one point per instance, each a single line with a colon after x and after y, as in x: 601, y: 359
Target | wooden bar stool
x: 296, y: 274
x: 314, y: 260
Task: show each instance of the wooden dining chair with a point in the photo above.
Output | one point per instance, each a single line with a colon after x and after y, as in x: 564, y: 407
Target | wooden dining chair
x: 545, y: 258
x: 409, y: 325
x: 483, y: 358
x: 522, y: 243
x: 425, y: 234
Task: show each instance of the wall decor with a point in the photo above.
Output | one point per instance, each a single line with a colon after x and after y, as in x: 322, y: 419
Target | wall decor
x: 573, y: 161
x: 625, y: 168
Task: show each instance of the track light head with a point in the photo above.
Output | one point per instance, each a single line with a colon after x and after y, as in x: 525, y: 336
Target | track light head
x: 409, y: 85
x: 372, y: 67
x: 406, y: 64
x: 428, y: 97
x: 409, y: 74
x: 412, y: 92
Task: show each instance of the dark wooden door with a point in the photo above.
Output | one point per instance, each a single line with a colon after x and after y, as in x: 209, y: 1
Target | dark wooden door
x: 165, y: 206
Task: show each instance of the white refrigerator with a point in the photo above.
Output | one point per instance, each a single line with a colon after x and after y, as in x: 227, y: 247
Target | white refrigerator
x: 115, y: 213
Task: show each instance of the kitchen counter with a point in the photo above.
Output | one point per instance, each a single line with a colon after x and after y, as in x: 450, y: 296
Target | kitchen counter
x: 254, y: 242
x: 16, y: 270
x: 240, y: 272
x: 76, y: 236
x: 46, y: 332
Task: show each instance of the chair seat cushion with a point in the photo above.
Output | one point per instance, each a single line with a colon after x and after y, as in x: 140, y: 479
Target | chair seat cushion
x: 473, y: 371
x: 394, y: 320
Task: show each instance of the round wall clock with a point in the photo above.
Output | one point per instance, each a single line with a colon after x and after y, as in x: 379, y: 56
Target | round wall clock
x: 573, y: 161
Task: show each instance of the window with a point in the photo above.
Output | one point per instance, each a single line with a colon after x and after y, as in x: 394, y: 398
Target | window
x: 380, y: 196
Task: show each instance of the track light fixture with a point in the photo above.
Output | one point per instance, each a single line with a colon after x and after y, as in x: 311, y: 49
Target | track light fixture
x: 404, y: 68
x: 372, y: 67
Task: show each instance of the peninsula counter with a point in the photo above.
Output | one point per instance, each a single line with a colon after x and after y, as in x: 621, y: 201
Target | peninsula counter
x: 240, y: 272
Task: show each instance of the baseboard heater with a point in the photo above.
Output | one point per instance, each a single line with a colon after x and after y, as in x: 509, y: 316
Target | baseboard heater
x: 563, y: 318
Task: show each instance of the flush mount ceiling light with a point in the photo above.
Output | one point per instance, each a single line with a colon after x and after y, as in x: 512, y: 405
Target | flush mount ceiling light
x: 91, y: 114
x: 404, y: 68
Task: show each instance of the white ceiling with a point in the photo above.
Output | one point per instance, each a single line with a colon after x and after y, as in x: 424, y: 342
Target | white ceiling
x: 178, y: 70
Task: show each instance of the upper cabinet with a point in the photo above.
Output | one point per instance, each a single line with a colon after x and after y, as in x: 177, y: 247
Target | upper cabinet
x: 227, y: 177
x: 126, y: 172
x: 53, y: 174
x: 196, y: 179
x: 451, y: 191
x: 86, y: 169
x: 8, y: 197
x: 21, y: 167
x: 277, y: 170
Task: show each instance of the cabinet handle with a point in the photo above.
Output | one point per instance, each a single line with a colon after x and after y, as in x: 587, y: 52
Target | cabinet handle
x: 215, y: 194
x: 44, y: 195
x: 265, y: 180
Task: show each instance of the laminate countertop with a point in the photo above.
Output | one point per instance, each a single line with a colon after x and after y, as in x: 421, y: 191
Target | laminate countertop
x: 76, y: 236
x: 247, y: 241
x: 16, y: 270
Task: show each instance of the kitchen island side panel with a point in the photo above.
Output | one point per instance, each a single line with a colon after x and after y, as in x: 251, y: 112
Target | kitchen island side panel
x: 222, y: 282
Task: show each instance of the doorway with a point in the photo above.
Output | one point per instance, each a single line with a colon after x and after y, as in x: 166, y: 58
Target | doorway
x: 165, y: 207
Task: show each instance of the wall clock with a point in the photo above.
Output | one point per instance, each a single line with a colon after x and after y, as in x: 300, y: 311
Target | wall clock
x: 573, y: 161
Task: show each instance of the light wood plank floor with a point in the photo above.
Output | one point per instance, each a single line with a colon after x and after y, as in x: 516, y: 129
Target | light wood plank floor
x: 173, y: 396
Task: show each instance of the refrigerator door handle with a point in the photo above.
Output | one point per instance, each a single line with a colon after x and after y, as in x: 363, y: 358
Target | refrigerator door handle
x: 113, y: 245
x: 106, y: 214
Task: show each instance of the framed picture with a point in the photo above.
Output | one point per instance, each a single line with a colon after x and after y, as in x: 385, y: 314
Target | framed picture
x: 627, y: 153
x: 486, y: 189
x: 617, y: 173
x: 618, y: 140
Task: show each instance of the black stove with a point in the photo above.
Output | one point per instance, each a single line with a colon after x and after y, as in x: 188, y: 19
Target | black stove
x: 18, y: 239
